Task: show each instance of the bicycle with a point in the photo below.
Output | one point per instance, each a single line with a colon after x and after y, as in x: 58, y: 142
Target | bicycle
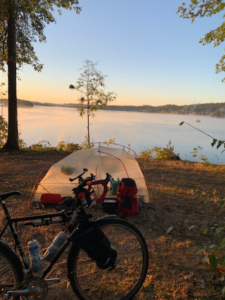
x: 95, y: 271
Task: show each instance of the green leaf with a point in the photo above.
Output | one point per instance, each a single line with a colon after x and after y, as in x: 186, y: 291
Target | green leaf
x: 212, y: 246
x: 213, y: 261
x: 217, y: 249
x: 193, y: 226
x: 222, y: 202
x: 199, y: 249
x: 205, y: 258
x: 219, y: 144
x: 169, y: 229
x: 222, y: 243
x: 222, y: 260
x: 205, y: 231
x: 214, y: 142
x: 219, y: 231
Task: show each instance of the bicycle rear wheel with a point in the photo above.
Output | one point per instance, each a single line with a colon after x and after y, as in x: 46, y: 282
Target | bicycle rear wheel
x: 11, y: 273
x: 121, y: 283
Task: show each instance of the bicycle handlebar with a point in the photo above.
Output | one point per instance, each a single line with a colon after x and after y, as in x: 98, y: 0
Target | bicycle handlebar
x: 104, y: 183
x: 90, y: 181
x: 6, y: 195
x: 79, y: 176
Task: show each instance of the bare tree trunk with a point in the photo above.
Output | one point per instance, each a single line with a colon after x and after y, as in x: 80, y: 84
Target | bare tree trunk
x: 12, y: 141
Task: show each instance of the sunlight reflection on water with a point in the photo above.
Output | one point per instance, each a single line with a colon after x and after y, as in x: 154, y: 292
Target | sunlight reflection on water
x: 139, y: 130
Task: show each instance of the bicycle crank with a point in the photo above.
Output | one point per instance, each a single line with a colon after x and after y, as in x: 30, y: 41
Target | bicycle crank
x: 34, y: 288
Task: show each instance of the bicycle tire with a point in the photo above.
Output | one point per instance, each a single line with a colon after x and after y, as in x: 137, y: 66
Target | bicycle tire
x: 125, y: 280
x: 11, y: 271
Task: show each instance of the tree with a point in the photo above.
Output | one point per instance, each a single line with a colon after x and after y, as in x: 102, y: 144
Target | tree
x: 91, y: 85
x: 22, y: 23
x: 203, y: 8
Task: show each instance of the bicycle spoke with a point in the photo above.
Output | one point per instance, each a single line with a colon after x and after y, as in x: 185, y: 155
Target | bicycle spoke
x: 93, y: 283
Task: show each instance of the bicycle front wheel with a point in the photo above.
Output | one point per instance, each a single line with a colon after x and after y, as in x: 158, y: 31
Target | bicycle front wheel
x: 121, y: 283
x: 11, y: 273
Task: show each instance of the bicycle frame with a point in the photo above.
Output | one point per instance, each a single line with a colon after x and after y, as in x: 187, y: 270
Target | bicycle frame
x: 62, y: 217
x: 46, y: 219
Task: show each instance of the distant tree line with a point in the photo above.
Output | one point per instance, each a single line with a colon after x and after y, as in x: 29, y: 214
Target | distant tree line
x: 206, y: 109
x: 20, y: 103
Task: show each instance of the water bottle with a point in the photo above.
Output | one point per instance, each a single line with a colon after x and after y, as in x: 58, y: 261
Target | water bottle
x: 115, y: 184
x: 84, y: 203
x: 35, y: 257
x: 53, y: 249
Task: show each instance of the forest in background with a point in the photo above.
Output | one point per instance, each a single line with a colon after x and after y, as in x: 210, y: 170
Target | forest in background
x: 205, y: 109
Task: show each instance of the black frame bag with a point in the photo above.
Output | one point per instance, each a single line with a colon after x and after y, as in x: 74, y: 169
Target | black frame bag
x: 98, y: 248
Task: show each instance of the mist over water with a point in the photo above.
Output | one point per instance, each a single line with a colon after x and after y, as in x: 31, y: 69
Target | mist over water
x: 139, y: 130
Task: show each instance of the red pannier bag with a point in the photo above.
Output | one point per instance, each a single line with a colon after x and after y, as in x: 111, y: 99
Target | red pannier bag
x: 127, y: 202
x: 128, y: 210
x: 127, y: 188
x: 48, y: 198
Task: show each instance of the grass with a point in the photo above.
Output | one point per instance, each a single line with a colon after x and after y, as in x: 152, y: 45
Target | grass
x: 186, y: 197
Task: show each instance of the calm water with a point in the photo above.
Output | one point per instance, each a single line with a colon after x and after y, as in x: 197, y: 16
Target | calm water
x: 139, y: 130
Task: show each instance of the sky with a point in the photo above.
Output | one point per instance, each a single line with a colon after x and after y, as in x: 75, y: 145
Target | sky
x: 150, y: 55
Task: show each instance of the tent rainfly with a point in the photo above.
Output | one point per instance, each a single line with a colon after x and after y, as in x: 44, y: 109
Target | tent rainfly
x: 101, y: 160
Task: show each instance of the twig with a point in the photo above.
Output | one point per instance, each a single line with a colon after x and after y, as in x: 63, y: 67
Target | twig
x: 197, y: 129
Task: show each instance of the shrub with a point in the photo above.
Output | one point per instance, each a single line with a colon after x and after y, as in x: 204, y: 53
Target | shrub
x: 160, y: 153
x: 4, y: 134
x: 63, y: 146
x: 146, y: 154
x: 3, y: 131
x: 41, y: 145
x: 202, y: 158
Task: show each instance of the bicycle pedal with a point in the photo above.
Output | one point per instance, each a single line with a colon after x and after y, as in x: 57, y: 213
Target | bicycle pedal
x: 52, y: 280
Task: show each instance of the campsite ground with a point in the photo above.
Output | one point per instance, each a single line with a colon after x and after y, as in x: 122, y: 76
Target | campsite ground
x: 184, y: 199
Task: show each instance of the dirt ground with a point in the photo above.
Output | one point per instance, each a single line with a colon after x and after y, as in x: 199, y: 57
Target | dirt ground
x: 184, y: 201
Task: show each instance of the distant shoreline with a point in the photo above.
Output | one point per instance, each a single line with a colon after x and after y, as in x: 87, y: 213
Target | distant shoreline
x: 216, y: 110
x: 208, y: 109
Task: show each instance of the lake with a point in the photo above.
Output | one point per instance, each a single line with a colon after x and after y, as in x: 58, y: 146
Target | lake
x: 139, y: 130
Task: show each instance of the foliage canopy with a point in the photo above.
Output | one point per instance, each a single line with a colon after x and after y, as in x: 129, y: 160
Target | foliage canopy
x: 30, y: 17
x: 203, y: 8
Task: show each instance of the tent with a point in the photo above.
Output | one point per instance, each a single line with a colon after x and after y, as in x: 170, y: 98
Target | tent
x: 119, y: 163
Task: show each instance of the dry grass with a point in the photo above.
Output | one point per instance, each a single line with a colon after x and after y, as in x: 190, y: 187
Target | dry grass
x: 184, y: 197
